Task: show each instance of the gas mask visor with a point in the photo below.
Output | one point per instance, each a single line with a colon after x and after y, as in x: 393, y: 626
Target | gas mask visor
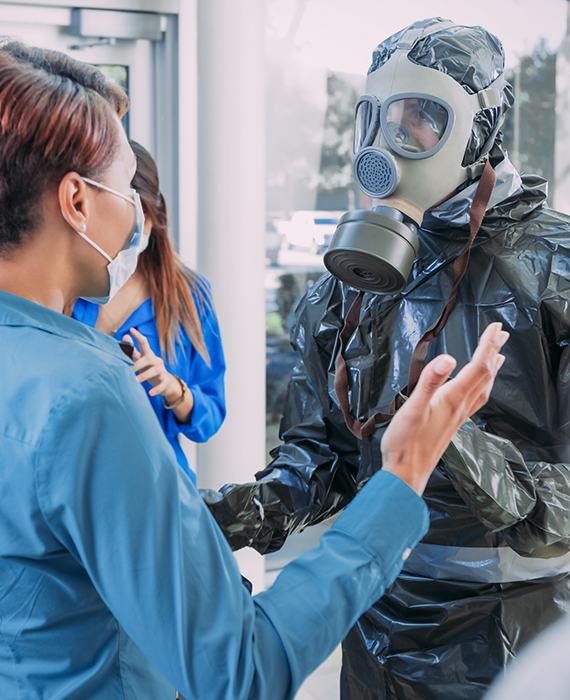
x: 374, y: 250
x: 413, y: 125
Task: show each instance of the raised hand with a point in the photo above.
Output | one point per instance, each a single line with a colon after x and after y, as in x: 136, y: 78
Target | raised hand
x: 421, y: 430
x: 150, y: 368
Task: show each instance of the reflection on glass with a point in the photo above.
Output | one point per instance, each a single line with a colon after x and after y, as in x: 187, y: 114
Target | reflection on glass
x: 309, y: 187
x: 416, y: 125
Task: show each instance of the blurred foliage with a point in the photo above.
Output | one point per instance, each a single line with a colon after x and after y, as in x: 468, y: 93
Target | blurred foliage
x: 336, y: 154
x: 536, y: 99
x: 336, y: 188
x: 273, y: 324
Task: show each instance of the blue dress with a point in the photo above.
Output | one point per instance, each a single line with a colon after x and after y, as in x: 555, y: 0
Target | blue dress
x: 206, y: 383
x: 115, y: 581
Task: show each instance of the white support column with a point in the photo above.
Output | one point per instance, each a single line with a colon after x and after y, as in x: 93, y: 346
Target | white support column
x: 561, y: 200
x: 188, y: 150
x: 231, y: 228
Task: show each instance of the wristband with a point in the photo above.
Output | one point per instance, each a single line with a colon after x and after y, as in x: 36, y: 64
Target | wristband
x: 181, y: 400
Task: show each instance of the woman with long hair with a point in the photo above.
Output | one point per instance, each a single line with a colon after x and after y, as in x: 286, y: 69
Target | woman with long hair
x: 167, y: 310
x: 115, y: 580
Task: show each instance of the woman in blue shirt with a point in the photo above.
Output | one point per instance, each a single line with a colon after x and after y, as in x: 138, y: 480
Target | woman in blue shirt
x: 115, y: 580
x: 167, y: 310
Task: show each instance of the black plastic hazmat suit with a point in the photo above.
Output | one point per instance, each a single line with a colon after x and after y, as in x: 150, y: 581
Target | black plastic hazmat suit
x: 493, y: 569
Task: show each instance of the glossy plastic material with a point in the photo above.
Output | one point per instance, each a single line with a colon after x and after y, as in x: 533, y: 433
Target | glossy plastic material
x: 503, y: 485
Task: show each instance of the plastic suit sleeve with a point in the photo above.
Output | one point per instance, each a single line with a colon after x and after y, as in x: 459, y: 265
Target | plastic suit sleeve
x: 167, y: 575
x: 528, y: 503
x: 312, y: 476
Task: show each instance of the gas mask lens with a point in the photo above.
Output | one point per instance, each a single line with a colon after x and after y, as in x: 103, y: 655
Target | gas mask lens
x: 366, y: 122
x: 415, y: 125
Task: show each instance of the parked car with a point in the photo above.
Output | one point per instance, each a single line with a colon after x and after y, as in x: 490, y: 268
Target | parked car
x: 310, y: 230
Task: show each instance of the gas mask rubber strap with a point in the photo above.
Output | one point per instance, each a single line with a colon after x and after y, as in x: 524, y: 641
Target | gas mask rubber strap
x: 417, y: 363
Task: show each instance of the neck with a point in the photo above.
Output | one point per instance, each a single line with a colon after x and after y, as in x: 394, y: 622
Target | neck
x: 112, y: 315
x: 51, y: 267
x: 29, y: 275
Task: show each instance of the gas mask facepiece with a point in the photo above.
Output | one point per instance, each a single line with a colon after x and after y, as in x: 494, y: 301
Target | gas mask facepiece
x: 410, y: 135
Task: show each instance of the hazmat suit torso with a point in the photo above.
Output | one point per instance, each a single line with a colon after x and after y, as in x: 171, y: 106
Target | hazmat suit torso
x: 493, y: 569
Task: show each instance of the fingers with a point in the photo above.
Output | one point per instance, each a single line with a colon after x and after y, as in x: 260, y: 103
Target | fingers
x: 142, y: 341
x: 146, y: 357
x: 483, y: 397
x: 150, y: 373
x: 148, y: 366
x: 499, y: 363
x: 434, y: 375
x: 471, y: 388
x: 143, y: 362
x: 492, y: 340
x: 136, y: 354
x: 486, y: 361
x: 159, y: 388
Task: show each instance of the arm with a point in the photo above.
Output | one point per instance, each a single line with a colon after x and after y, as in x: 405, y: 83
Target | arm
x: 111, y: 492
x: 205, y: 382
x: 527, y: 502
x: 166, y: 573
x: 312, y: 476
x: 203, y: 409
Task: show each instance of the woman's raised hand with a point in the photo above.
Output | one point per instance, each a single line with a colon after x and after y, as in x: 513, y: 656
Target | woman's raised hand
x: 421, y: 430
x: 150, y: 368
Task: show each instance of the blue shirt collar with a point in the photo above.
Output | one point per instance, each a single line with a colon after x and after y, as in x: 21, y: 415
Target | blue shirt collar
x: 87, y: 312
x: 17, y: 311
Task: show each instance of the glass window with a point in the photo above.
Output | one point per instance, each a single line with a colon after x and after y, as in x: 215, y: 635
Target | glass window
x: 318, y: 54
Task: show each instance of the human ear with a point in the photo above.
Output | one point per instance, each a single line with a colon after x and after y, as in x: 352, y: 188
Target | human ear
x: 148, y: 223
x: 73, y: 201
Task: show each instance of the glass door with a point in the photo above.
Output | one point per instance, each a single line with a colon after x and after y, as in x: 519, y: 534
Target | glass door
x: 132, y: 62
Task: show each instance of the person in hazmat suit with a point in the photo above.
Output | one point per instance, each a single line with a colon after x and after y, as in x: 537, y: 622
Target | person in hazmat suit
x: 455, y: 239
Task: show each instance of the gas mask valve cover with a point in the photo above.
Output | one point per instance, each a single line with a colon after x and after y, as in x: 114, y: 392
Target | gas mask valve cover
x: 376, y: 172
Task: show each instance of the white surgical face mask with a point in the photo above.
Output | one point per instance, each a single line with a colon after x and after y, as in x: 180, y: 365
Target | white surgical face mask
x: 123, y: 266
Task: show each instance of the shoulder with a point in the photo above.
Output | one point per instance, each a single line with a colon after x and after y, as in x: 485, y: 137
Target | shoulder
x: 541, y: 233
x: 201, y: 291
x: 59, y: 371
x: 196, y: 281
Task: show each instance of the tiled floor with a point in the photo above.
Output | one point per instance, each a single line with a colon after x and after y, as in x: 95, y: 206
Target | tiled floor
x: 323, y: 683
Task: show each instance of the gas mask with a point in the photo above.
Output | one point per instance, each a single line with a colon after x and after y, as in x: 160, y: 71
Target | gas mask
x: 411, y: 132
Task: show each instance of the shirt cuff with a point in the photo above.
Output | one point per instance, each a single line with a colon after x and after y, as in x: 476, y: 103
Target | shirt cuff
x: 388, y: 517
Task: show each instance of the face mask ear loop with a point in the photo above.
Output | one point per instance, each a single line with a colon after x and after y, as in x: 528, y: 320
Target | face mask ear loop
x: 100, y: 250
x: 417, y: 363
x: 108, y: 189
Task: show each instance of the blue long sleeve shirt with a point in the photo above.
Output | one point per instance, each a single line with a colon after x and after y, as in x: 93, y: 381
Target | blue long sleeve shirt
x: 115, y: 581
x: 205, y: 382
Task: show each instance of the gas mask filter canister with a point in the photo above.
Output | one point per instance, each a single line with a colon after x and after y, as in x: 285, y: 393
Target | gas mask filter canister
x: 411, y: 131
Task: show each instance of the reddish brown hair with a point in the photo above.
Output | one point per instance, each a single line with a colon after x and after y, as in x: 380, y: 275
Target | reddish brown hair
x: 56, y: 115
x: 172, y: 286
